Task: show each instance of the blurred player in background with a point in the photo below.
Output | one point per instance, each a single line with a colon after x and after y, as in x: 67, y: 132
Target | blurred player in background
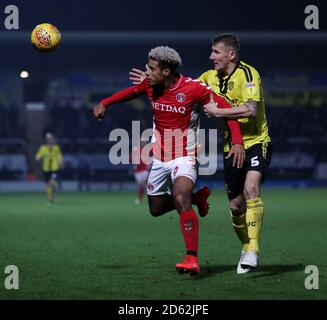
x: 240, y: 83
x: 141, y: 172
x: 176, y: 102
x: 51, y: 156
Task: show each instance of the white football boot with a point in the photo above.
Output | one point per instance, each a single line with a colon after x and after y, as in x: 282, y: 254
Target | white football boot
x: 239, y: 269
x: 250, y: 261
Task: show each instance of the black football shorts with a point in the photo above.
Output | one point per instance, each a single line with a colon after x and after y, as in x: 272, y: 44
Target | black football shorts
x: 257, y: 158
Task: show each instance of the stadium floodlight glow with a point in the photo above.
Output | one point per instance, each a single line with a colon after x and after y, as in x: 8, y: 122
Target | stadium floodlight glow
x: 24, y: 74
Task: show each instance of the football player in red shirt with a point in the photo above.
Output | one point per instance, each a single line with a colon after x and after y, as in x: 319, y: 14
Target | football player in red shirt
x: 176, y: 101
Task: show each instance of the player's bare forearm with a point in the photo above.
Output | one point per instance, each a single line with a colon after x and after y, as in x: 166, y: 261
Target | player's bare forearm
x: 247, y: 110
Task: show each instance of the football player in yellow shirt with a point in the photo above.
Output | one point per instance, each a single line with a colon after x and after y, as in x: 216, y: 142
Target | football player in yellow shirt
x: 52, y: 158
x: 240, y: 83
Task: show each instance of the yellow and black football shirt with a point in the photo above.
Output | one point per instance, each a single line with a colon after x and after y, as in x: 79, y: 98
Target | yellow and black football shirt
x: 51, y: 157
x: 240, y: 86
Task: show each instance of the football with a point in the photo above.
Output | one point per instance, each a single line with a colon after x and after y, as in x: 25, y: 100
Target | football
x: 45, y: 37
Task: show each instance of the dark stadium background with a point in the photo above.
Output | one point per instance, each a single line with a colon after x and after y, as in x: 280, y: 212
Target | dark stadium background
x: 101, y: 42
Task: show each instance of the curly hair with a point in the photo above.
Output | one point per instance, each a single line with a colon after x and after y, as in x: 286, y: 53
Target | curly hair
x: 166, y: 57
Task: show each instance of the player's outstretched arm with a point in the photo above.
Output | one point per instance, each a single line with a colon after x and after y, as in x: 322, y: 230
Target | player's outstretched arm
x: 120, y: 96
x: 136, y: 76
x: 249, y: 109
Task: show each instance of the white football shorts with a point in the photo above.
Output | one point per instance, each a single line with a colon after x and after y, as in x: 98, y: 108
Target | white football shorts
x: 163, y: 174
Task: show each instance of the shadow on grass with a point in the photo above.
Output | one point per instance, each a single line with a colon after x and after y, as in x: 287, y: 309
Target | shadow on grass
x: 210, y: 270
x: 275, y: 269
x: 262, y: 271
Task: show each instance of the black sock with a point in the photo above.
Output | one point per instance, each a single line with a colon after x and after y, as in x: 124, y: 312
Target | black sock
x: 192, y: 253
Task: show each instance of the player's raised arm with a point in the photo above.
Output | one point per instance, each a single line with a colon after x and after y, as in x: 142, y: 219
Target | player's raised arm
x: 128, y: 94
x: 136, y: 76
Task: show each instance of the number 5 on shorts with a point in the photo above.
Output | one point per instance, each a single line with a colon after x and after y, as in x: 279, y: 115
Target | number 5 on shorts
x: 254, y: 161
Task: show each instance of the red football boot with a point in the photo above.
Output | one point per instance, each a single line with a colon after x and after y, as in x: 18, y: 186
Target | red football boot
x: 202, y: 201
x: 189, y: 265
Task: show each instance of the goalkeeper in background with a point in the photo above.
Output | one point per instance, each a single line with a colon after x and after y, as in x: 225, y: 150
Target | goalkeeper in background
x: 52, y: 158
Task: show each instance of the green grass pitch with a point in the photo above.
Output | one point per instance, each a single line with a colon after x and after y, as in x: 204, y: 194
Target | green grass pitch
x: 103, y: 246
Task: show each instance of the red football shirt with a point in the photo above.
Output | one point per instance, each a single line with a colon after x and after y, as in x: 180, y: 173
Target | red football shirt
x: 176, y: 115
